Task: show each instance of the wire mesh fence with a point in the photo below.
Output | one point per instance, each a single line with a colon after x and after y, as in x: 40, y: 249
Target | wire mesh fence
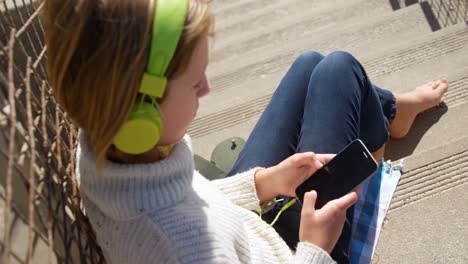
x: 439, y: 13
x: 39, y: 200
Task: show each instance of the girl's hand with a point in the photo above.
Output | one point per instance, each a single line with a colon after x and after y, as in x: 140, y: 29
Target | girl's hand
x: 323, y: 227
x: 294, y: 170
x: 284, y: 178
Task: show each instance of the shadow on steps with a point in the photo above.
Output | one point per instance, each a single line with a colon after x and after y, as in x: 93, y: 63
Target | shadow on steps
x: 397, y: 149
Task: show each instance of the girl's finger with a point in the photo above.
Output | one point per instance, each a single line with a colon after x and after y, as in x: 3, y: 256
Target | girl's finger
x: 325, y: 158
x: 335, y: 208
x: 307, y: 159
x: 309, y: 201
x: 346, y: 201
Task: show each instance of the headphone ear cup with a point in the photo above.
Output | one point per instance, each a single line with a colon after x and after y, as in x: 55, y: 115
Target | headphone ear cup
x: 141, y: 131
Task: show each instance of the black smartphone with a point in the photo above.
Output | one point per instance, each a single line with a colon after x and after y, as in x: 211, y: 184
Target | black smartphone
x: 346, y: 171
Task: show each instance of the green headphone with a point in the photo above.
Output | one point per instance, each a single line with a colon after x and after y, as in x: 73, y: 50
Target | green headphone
x: 142, y: 130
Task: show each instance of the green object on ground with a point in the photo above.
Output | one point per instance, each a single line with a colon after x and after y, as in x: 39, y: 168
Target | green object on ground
x: 207, y: 168
x: 223, y: 158
x: 225, y: 153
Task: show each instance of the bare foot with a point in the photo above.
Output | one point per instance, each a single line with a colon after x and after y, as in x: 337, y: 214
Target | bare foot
x: 410, y: 104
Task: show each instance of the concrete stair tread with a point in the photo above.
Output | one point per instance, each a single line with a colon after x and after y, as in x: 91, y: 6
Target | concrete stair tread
x: 435, y: 168
x: 221, y: 6
x: 433, y: 230
x: 299, y: 19
x: 246, y: 10
x: 349, y: 29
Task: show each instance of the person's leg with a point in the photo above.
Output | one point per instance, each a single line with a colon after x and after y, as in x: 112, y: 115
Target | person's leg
x: 388, y: 102
x: 341, y: 105
x: 276, y: 134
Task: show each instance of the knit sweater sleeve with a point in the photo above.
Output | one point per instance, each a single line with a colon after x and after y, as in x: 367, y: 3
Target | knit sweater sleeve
x: 309, y: 253
x: 240, y: 189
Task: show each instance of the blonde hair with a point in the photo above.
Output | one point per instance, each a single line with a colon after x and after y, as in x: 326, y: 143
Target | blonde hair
x: 97, y: 52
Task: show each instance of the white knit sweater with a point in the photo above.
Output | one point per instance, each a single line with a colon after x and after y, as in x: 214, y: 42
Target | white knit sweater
x: 165, y: 212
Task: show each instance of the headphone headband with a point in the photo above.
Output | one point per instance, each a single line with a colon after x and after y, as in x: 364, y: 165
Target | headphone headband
x: 142, y: 130
x: 168, y: 25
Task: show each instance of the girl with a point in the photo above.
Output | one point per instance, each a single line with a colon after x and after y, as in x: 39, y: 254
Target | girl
x: 152, y: 207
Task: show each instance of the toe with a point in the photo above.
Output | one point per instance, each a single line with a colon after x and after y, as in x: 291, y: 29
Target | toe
x: 444, y: 87
x: 441, y: 90
x: 442, y: 84
x: 436, y: 84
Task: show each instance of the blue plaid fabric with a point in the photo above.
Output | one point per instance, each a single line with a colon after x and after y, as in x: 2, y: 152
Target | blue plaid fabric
x: 370, y: 210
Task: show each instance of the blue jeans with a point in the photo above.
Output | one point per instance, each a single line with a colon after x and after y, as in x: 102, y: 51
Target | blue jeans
x: 321, y: 105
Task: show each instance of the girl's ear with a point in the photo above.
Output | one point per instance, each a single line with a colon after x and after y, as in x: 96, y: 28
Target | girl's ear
x: 204, y: 87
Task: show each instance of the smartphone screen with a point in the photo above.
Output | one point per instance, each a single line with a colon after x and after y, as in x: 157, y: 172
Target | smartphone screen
x: 349, y: 168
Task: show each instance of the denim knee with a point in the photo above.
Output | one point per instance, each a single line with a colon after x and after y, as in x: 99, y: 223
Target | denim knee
x: 341, y: 61
x: 307, y: 60
x: 342, y: 66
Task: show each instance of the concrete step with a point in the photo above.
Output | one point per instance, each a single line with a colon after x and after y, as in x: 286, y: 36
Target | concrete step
x: 433, y: 230
x: 224, y: 5
x: 285, y: 32
x: 245, y: 10
x: 300, y: 28
x: 437, y: 169
x: 430, y: 53
x: 429, y: 206
x: 416, y: 50
x: 255, y: 75
x: 287, y: 21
